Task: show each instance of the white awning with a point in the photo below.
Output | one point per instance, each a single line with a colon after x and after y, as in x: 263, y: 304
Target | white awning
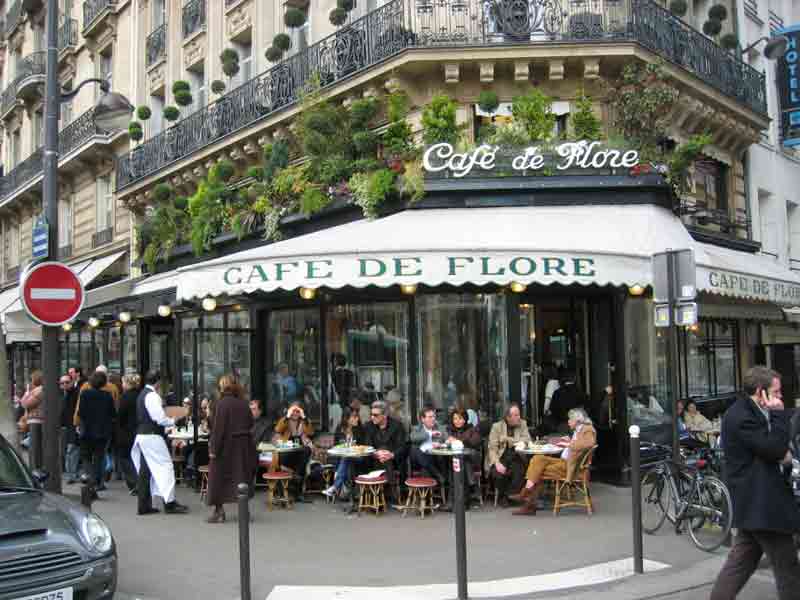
x: 743, y: 275
x: 587, y: 245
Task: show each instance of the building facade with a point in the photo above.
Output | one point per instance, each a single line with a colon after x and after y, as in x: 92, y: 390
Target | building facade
x: 385, y: 267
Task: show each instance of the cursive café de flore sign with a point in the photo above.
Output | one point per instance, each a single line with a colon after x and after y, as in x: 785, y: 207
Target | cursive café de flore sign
x: 569, y: 156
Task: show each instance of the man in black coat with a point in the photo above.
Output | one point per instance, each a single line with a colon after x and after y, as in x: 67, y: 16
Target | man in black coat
x: 565, y: 398
x: 755, y: 437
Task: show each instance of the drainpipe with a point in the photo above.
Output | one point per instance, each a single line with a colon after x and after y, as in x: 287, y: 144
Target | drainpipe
x: 747, y: 211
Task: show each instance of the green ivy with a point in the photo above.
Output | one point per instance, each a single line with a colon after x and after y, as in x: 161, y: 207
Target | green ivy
x: 682, y: 158
x: 370, y: 190
x: 398, y: 141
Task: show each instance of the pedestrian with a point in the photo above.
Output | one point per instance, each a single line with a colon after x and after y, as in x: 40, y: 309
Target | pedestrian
x: 71, y: 447
x: 31, y: 401
x: 231, y: 452
x: 755, y: 440
x: 150, y: 454
x: 126, y: 428
x: 96, y: 414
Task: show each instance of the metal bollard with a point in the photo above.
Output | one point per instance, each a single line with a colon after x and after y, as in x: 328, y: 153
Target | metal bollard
x: 87, y: 491
x: 461, y: 526
x: 636, y: 494
x: 35, y: 451
x: 244, y: 540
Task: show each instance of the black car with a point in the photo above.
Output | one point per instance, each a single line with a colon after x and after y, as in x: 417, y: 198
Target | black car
x: 50, y: 547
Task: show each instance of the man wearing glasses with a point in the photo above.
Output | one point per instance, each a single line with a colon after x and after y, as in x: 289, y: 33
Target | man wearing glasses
x: 70, y: 448
x: 388, y: 437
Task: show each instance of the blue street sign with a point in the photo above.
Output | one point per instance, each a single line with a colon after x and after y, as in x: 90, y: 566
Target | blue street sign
x: 41, y: 238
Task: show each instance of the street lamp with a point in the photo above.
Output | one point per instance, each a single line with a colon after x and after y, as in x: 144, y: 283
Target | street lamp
x: 775, y: 48
x: 111, y: 112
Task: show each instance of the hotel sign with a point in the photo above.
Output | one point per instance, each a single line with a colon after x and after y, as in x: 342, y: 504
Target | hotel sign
x: 788, y: 78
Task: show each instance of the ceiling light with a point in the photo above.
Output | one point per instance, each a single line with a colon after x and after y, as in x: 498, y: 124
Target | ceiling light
x: 518, y: 287
x: 636, y: 290
x: 125, y: 316
x: 164, y: 310
x: 209, y: 304
x: 67, y: 327
x: 409, y: 289
x: 94, y: 322
x: 307, y: 293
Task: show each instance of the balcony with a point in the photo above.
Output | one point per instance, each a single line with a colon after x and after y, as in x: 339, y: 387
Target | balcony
x: 30, y: 76
x: 156, y: 46
x: 194, y: 17
x: 717, y: 226
x: 94, y: 13
x: 68, y: 35
x: 406, y: 25
x: 13, y: 17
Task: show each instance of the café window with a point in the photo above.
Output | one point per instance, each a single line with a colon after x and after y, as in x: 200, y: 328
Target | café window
x: 708, y: 359
x: 367, y: 354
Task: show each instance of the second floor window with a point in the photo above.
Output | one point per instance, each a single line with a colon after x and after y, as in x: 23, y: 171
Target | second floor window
x: 65, y: 222
x: 16, y: 148
x: 105, y: 71
x: 12, y: 245
x: 104, y: 218
x: 245, y: 51
x: 156, y: 121
x: 709, y: 181
x: 37, y: 131
x: 159, y: 14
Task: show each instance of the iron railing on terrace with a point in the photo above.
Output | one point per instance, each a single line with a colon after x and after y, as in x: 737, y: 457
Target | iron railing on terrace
x: 404, y: 24
x: 33, y: 64
x: 67, y: 34
x: 93, y: 8
x: 156, y: 45
x: 13, y: 16
x: 194, y: 17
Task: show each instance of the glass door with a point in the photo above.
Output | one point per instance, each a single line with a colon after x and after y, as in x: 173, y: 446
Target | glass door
x: 217, y: 352
x: 161, y: 351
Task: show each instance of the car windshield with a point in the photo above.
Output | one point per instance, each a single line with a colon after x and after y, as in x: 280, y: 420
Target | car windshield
x: 12, y: 471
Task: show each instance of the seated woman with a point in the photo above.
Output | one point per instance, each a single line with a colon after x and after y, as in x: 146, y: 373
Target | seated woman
x: 461, y: 429
x: 542, y: 465
x: 687, y: 438
x: 297, y: 428
x: 695, y: 422
x: 348, y: 431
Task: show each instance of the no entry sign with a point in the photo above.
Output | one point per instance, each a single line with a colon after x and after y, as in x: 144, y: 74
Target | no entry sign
x: 51, y: 293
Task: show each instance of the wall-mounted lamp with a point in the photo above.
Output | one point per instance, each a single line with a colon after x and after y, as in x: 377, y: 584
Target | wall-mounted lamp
x: 125, y: 316
x: 517, y: 287
x: 775, y: 47
x: 164, y: 310
x: 209, y: 304
x: 307, y: 293
x: 67, y: 327
x: 636, y: 290
x: 409, y: 289
x: 94, y: 322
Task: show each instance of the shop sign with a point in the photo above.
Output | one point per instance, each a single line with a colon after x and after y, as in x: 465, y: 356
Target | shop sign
x: 749, y: 286
x: 788, y: 79
x: 569, y: 156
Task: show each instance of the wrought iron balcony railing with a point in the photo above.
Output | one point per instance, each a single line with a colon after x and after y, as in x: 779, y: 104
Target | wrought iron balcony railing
x: 68, y: 34
x: 713, y: 220
x: 194, y: 17
x: 230, y: 2
x: 405, y: 24
x: 33, y: 64
x: 156, y: 47
x: 22, y: 174
x: 13, y: 16
x: 93, y: 9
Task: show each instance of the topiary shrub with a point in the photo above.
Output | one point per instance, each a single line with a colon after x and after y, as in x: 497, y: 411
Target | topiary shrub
x: 162, y: 192
x: 718, y: 12
x: 183, y: 98
x: 218, y: 86
x: 365, y: 142
x: 345, y: 5
x: 488, y: 101
x: 282, y: 41
x: 729, y: 41
x: 135, y: 131
x: 229, y: 55
x: 362, y: 112
x: 533, y: 112
x: 678, y: 7
x: 230, y: 68
x: 439, y: 121
x: 181, y: 86
x: 294, y: 17
x: 171, y: 113
x: 273, y: 54
x: 143, y: 113
x: 712, y: 27
x: 337, y: 17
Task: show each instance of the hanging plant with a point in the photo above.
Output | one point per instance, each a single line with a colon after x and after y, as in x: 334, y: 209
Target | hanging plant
x: 370, y: 190
x: 712, y: 27
x: 135, y: 131
x: 338, y: 17
x: 488, y: 101
x: 162, y: 192
x: 398, y: 137
x: 294, y: 17
x: 256, y: 172
x: 171, y: 113
x: 682, y: 158
x: 718, y: 12
x: 678, y: 7
x: 282, y: 41
x: 218, y: 86
x: 273, y: 54
x: 313, y: 200
x: 729, y: 41
x: 181, y: 203
x: 143, y: 113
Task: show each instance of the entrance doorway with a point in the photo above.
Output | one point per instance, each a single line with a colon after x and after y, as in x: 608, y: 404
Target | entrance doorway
x: 217, y: 352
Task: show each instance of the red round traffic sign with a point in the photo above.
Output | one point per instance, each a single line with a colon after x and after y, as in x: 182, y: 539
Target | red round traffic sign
x: 51, y: 293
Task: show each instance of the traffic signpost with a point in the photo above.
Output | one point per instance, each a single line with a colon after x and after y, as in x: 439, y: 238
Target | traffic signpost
x: 51, y: 293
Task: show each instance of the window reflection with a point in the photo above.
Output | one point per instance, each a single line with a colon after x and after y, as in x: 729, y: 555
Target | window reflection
x: 131, y: 350
x: 114, y: 349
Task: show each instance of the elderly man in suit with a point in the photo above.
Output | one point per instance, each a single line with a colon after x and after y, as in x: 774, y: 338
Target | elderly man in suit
x: 504, y: 465
x: 755, y: 437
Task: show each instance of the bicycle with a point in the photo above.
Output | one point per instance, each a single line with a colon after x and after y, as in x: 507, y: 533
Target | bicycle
x: 687, y: 497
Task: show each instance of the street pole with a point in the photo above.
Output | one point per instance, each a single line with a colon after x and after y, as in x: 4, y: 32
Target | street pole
x: 672, y: 343
x: 461, y: 525
x: 636, y: 497
x: 51, y: 359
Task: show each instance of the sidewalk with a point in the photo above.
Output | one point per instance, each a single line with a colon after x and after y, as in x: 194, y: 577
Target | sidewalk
x: 164, y: 557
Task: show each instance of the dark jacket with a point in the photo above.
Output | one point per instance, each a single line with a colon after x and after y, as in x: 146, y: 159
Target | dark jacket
x: 262, y: 430
x: 565, y: 398
x: 470, y: 436
x: 231, y: 443
x: 359, y: 435
x: 70, y: 399
x: 97, y: 414
x: 762, y: 499
x: 393, y: 438
x: 126, y: 419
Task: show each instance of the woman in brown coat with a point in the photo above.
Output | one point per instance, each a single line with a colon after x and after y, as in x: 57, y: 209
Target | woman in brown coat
x: 232, y: 457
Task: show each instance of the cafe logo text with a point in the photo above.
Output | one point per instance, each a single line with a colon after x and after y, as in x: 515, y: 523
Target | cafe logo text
x: 572, y: 155
x: 744, y: 285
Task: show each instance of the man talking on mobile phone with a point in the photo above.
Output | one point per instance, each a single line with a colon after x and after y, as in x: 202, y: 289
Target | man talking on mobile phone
x: 755, y: 439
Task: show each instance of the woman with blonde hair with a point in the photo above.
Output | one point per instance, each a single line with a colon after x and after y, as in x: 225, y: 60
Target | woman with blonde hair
x: 231, y: 452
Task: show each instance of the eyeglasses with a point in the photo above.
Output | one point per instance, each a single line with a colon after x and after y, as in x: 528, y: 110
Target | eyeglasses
x: 373, y: 415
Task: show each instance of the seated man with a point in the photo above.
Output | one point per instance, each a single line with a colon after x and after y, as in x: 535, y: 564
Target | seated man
x: 542, y: 465
x: 504, y: 465
x: 424, y: 437
x: 296, y: 428
x: 388, y: 437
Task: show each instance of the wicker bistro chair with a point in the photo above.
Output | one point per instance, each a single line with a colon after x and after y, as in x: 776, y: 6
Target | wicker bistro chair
x: 203, y: 481
x: 278, y: 489
x: 573, y: 490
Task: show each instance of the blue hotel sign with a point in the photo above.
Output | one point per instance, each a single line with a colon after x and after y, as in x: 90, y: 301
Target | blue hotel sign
x: 788, y: 78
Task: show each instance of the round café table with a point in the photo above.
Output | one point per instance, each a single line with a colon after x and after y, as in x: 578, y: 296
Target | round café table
x: 276, y: 452
x: 351, y: 453
x: 548, y: 449
x: 450, y: 453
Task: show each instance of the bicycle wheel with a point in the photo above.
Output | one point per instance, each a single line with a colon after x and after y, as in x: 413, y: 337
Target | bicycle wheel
x: 654, y: 490
x: 710, y: 514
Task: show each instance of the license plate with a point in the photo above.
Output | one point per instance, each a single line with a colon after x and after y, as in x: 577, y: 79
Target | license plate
x: 62, y: 594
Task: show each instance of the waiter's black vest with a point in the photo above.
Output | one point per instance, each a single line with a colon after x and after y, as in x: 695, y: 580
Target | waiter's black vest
x: 145, y: 425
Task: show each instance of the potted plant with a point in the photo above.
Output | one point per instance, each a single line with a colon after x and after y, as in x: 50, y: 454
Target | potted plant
x: 488, y: 101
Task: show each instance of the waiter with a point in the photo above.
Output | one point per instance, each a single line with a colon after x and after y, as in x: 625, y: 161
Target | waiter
x: 150, y: 454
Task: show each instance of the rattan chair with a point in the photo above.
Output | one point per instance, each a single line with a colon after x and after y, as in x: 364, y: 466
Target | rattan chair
x: 574, y: 490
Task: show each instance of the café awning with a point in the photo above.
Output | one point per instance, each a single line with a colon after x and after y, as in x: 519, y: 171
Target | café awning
x: 587, y: 245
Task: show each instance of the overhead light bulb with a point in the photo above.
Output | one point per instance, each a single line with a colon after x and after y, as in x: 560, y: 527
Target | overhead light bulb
x: 164, y: 310
x: 209, y: 304
x: 67, y: 327
x: 409, y: 289
x: 307, y: 293
x: 125, y: 316
x: 636, y: 290
x: 518, y: 287
x: 94, y: 322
